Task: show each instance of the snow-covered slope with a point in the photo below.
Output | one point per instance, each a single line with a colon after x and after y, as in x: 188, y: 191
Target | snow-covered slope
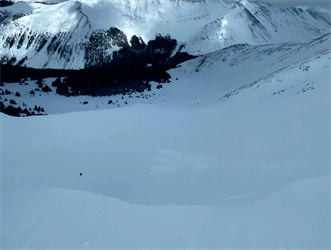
x: 57, y: 36
x: 206, y: 79
x: 47, y: 36
x: 233, y: 154
x: 297, y: 216
x: 231, y: 68
x: 248, y: 171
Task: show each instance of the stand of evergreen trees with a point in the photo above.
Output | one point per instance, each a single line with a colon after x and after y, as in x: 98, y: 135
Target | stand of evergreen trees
x: 5, y: 3
x: 13, y: 111
x: 130, y: 70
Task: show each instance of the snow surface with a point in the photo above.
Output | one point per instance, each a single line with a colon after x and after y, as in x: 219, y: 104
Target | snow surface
x: 57, y: 218
x: 222, y: 158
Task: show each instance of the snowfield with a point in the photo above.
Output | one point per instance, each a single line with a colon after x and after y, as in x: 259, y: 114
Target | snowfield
x: 63, y: 218
x: 213, y: 160
x: 233, y: 153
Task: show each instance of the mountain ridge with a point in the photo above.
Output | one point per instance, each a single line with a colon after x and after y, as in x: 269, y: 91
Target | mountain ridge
x: 56, y: 36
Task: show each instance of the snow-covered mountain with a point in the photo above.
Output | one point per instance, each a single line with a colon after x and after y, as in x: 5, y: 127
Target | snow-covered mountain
x: 59, y: 35
x: 241, y: 66
x: 233, y: 154
x: 287, y: 67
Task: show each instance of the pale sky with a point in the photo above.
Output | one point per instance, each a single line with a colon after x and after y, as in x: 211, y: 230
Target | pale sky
x: 321, y: 6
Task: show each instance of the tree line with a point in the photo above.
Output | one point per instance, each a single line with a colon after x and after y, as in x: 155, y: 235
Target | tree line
x: 131, y: 68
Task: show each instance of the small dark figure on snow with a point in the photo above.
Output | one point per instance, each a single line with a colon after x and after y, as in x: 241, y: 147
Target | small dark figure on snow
x: 80, y: 174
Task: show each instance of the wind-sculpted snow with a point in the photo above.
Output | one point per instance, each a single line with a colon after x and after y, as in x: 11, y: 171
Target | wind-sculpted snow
x: 56, y: 36
x: 243, y: 65
x: 232, y: 153
x: 252, y: 171
x: 280, y: 95
x: 296, y: 216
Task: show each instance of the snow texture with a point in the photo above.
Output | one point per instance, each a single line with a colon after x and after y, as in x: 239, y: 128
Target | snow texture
x: 233, y: 154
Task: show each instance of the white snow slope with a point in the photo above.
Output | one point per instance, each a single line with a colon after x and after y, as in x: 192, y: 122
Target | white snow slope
x: 204, y: 80
x: 248, y: 170
x: 30, y: 32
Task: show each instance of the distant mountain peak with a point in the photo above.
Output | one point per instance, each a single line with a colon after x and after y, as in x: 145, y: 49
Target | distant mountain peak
x: 39, y: 35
